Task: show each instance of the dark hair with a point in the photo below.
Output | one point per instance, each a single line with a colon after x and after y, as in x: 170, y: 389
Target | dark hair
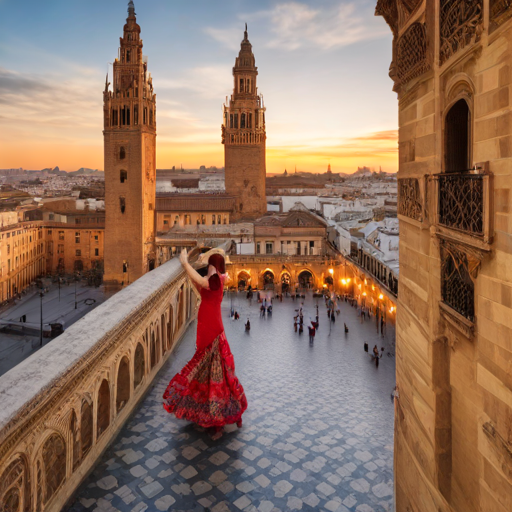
x: 214, y: 282
x: 217, y: 261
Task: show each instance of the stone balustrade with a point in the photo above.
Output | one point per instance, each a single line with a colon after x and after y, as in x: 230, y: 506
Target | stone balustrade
x: 62, y: 406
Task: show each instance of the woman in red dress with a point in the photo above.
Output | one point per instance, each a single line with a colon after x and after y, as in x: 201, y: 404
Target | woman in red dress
x: 207, y: 391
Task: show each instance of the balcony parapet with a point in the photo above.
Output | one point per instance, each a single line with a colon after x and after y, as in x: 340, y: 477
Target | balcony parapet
x: 464, y: 207
x: 63, y: 405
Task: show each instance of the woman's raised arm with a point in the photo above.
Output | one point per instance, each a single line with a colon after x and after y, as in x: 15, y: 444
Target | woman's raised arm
x: 192, y: 273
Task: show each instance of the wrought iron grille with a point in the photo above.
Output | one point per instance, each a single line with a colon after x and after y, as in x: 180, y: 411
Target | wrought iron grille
x: 460, y: 22
x: 409, y: 202
x: 412, y: 53
x: 461, y: 202
x: 457, y: 287
x: 500, y: 11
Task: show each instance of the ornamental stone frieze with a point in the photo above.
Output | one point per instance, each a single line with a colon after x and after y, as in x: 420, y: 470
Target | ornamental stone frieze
x: 460, y: 24
x: 409, y: 198
x: 500, y: 11
x: 411, y: 53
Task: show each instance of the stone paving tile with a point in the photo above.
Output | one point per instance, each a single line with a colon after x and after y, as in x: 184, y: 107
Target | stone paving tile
x: 318, y: 433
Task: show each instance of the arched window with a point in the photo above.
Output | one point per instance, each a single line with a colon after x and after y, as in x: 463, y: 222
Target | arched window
x: 122, y: 153
x: 457, y: 134
x: 242, y: 121
x: 213, y: 219
x: 123, y: 176
x: 203, y: 219
x: 241, y: 85
x: 128, y: 55
x: 122, y: 204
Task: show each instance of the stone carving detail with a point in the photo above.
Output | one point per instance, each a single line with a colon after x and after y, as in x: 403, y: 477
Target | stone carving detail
x: 396, y: 12
x: 500, y: 12
x: 139, y: 366
x: 54, y: 461
x: 14, y: 486
x: 457, y: 287
x: 86, y: 428
x: 461, y: 202
x: 388, y: 10
x: 412, y: 53
x: 460, y: 25
x: 409, y: 199
x: 123, y: 384
x: 75, y: 436
x: 103, y: 408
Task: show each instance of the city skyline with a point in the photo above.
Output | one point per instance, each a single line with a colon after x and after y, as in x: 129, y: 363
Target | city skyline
x: 322, y: 72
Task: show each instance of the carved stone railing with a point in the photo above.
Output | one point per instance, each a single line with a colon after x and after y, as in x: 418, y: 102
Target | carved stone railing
x: 61, y: 407
x: 464, y: 203
x: 460, y: 24
x: 409, y: 198
x: 500, y: 12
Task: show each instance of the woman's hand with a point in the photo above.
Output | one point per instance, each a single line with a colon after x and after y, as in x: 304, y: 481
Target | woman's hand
x: 184, y: 257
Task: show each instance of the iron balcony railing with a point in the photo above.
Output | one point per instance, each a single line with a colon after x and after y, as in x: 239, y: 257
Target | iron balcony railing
x: 464, y: 200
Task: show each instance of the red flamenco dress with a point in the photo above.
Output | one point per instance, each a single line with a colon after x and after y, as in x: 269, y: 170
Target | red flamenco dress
x: 207, y: 391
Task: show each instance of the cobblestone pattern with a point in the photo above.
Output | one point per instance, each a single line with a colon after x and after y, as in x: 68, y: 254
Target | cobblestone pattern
x: 318, y: 433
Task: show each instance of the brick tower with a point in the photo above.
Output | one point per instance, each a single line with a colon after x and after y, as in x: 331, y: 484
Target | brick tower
x: 130, y: 162
x: 243, y: 136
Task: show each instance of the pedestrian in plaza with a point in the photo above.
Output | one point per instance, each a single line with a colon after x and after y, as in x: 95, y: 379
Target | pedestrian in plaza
x: 346, y: 328
x: 311, y: 334
x: 207, y: 391
x: 248, y: 325
x: 295, y: 323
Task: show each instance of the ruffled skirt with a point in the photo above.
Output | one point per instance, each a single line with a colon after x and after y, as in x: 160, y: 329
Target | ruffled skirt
x: 207, y: 391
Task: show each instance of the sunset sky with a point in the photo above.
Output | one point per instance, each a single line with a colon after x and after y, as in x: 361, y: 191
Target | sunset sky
x: 323, y: 71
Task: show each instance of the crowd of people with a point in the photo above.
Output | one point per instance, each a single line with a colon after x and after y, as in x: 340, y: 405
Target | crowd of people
x: 333, y: 311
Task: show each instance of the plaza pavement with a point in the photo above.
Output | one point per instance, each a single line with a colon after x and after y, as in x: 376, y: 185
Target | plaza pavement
x: 317, y: 435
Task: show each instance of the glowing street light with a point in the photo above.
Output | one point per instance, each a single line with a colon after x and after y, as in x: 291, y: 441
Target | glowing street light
x: 381, y: 296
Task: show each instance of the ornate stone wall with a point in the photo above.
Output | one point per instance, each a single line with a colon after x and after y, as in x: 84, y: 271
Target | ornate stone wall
x: 409, y: 198
x: 453, y: 417
x: 62, y: 407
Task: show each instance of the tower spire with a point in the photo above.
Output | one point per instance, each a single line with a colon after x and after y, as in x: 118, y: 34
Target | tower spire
x: 245, y: 34
x: 131, y: 9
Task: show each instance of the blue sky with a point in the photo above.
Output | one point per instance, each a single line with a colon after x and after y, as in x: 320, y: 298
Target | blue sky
x: 323, y: 72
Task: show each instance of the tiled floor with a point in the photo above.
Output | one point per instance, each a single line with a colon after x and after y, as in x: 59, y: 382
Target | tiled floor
x: 318, y: 433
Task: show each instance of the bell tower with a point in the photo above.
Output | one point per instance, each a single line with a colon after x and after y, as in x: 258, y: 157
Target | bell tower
x: 244, y: 138
x: 129, y: 131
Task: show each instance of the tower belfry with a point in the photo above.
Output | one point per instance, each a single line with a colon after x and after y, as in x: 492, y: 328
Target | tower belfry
x: 244, y: 137
x: 129, y: 112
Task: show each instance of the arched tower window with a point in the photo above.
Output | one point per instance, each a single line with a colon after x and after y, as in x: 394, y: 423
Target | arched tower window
x: 457, y: 134
x: 123, y: 175
x: 242, y: 121
x: 122, y: 204
x: 128, y: 55
x: 241, y: 85
x: 122, y: 153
